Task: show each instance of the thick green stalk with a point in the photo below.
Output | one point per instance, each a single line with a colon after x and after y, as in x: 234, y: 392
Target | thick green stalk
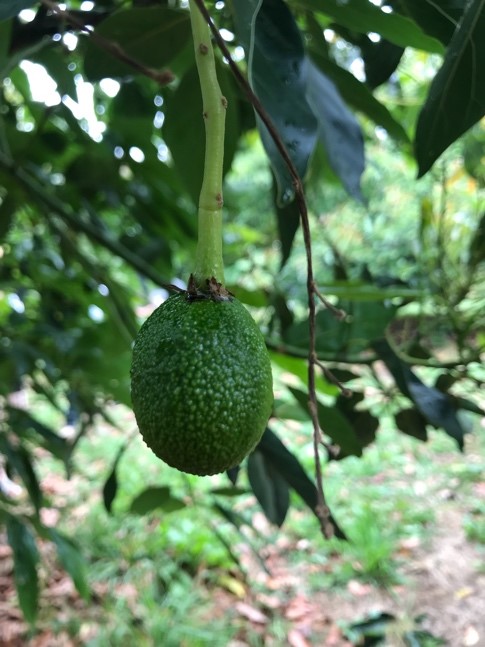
x: 208, y: 261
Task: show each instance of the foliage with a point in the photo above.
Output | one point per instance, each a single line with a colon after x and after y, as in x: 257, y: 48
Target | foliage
x: 98, y: 184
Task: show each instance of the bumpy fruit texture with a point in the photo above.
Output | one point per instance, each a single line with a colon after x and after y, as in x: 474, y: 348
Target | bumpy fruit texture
x: 201, y: 383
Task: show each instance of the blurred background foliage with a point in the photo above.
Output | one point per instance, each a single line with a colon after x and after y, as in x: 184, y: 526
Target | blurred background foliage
x: 101, y: 153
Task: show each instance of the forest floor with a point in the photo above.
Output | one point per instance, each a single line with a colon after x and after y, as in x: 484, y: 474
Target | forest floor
x: 414, y: 570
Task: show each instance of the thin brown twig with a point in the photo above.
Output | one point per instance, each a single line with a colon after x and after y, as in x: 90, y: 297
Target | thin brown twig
x: 321, y: 509
x: 162, y: 77
x: 346, y: 392
x: 338, y: 312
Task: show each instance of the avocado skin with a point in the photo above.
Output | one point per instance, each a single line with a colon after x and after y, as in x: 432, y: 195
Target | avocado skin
x: 201, y: 383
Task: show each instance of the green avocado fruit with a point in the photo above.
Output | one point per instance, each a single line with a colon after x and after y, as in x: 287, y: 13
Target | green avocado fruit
x: 201, y: 383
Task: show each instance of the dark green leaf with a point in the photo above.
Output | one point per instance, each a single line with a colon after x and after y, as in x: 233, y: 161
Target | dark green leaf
x: 436, y: 407
x: 72, y: 561
x: 269, y: 487
x: 20, y: 462
x: 477, y: 246
x: 110, y: 487
x: 25, y: 558
x: 183, y: 128
x: 55, y: 60
x: 364, y: 423
x: 456, y: 98
x: 276, y: 60
x: 288, y: 220
x: 155, y: 498
x: 338, y: 129
x: 380, y: 61
x: 10, y: 8
x: 412, y: 423
x: 229, y: 515
x: 358, y: 95
x: 229, y: 491
x: 24, y: 423
x: 292, y: 471
x: 363, y: 16
x: 153, y: 36
x: 436, y: 19
x: 335, y: 425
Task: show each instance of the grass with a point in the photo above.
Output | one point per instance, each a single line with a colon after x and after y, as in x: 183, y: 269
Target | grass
x: 155, y: 576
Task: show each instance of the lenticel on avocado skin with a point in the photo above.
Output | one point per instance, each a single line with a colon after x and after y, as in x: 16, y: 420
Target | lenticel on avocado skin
x: 201, y: 383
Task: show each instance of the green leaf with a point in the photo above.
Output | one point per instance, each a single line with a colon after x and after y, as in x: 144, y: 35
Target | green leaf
x: 55, y: 60
x: 25, y: 557
x: 229, y: 491
x: 72, y: 561
x: 476, y: 252
x: 338, y: 129
x: 288, y: 220
x: 183, y: 128
x: 334, y: 424
x: 358, y: 95
x: 436, y: 407
x: 363, y: 16
x: 153, y: 36
x: 436, y: 19
x: 380, y: 61
x: 110, y: 487
x: 20, y: 461
x: 292, y: 471
x: 299, y: 367
x: 276, y: 58
x: 24, y: 423
x: 456, y: 98
x: 155, y: 498
x: 412, y: 423
x: 10, y: 8
x: 269, y: 487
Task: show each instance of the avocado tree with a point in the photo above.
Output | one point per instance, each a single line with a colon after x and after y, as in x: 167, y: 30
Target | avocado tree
x: 100, y: 180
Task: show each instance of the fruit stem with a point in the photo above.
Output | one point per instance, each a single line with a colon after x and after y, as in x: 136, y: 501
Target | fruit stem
x: 208, y: 261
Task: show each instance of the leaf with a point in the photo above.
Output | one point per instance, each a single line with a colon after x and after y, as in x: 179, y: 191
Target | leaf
x: 19, y: 460
x: 10, y: 8
x: 72, y: 561
x: 23, y: 423
x: 288, y: 220
x: 358, y: 95
x: 437, y: 19
x: 25, y: 558
x: 337, y: 128
x: 270, y: 488
x: 183, y: 128
x: 436, y: 407
x: 153, y: 36
x: 380, y: 61
x: 292, y: 471
x: 363, y: 16
x: 276, y: 57
x: 456, y: 98
x: 110, y: 487
x: 155, y: 498
x: 229, y: 491
x: 334, y: 424
x: 55, y: 60
x: 412, y: 423
x: 476, y: 252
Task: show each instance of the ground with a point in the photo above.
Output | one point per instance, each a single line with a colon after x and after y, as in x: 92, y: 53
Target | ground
x: 306, y: 595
